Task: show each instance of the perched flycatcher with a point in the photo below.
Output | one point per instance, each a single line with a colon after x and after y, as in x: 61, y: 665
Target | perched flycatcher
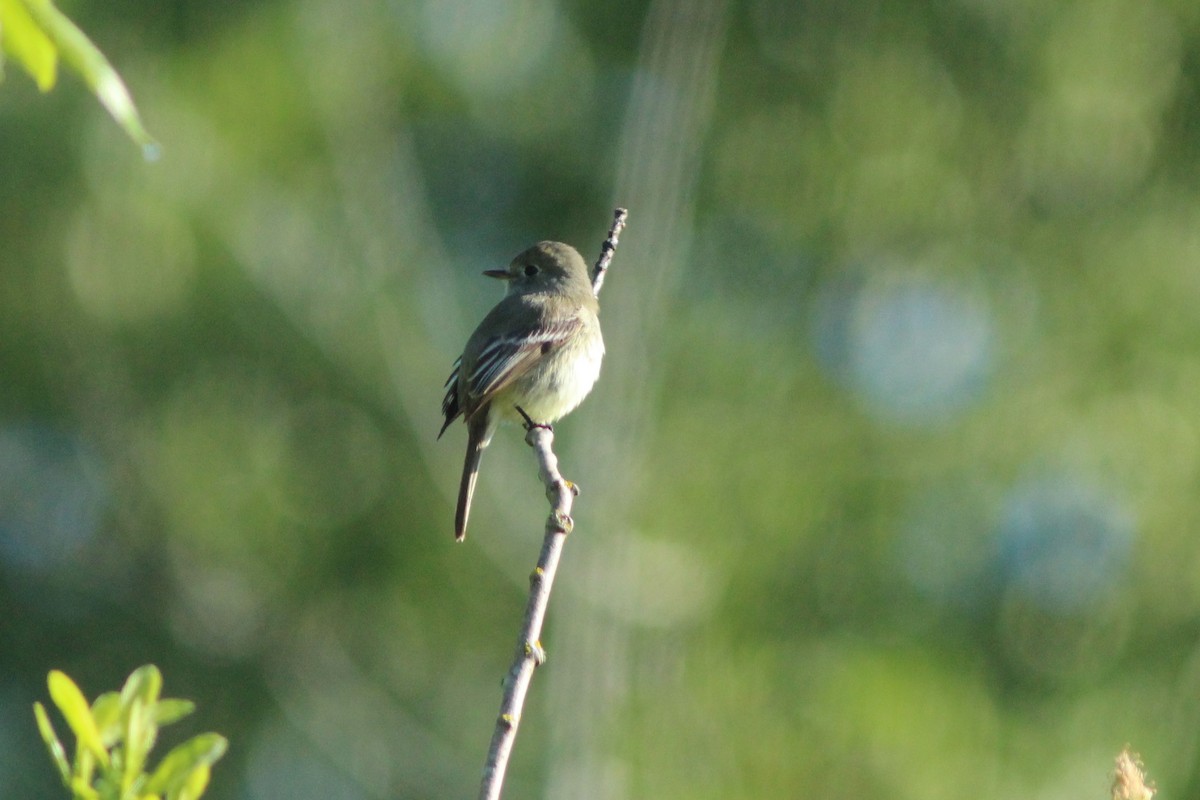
x: 539, y: 349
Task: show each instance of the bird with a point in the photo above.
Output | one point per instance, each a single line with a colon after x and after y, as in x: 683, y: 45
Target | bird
x: 533, y: 358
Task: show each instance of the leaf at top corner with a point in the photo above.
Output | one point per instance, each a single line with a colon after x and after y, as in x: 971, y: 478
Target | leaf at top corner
x: 23, y: 39
x: 78, y: 52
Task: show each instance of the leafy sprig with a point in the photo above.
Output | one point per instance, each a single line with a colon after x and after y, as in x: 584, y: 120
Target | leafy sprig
x: 114, y: 736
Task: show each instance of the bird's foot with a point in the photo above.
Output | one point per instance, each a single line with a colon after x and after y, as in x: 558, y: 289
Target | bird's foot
x: 530, y: 424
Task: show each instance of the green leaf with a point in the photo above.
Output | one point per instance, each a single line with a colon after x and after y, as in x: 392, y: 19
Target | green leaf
x: 74, y: 708
x: 52, y: 743
x: 23, y: 39
x: 145, y: 683
x: 78, y: 52
x: 194, y: 786
x: 176, y: 769
x: 85, y: 766
x: 108, y: 784
x: 139, y: 695
x: 106, y: 711
x: 83, y: 790
x: 140, y: 734
x: 172, y: 710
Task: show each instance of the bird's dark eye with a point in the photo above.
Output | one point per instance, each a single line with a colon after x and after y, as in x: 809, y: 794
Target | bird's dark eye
x: 530, y: 270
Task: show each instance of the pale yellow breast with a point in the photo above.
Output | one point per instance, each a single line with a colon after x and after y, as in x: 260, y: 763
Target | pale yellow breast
x: 557, y: 384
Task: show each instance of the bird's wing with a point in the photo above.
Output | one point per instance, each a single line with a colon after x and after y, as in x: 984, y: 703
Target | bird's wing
x: 450, y: 405
x: 506, y: 357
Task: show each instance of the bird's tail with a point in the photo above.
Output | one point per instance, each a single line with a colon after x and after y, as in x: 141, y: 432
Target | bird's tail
x: 476, y: 441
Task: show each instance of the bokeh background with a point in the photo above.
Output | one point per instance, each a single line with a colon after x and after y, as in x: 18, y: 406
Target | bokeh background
x: 890, y: 485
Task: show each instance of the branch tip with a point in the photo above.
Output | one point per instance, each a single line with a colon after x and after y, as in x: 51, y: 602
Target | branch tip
x: 608, y: 248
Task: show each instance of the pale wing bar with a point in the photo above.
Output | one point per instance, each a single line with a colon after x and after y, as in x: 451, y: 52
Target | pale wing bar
x: 506, y: 358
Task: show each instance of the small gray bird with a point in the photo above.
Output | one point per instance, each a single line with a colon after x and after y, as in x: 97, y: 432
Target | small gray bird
x: 538, y: 350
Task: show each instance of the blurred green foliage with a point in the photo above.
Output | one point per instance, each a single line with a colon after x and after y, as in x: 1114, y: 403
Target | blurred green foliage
x: 889, y: 482
x: 114, y: 737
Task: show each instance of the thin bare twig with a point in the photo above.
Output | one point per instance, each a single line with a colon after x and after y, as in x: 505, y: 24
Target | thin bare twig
x: 529, y: 653
x: 607, y: 249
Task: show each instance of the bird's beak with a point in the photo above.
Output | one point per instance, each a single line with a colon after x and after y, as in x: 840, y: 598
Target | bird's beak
x: 502, y: 274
